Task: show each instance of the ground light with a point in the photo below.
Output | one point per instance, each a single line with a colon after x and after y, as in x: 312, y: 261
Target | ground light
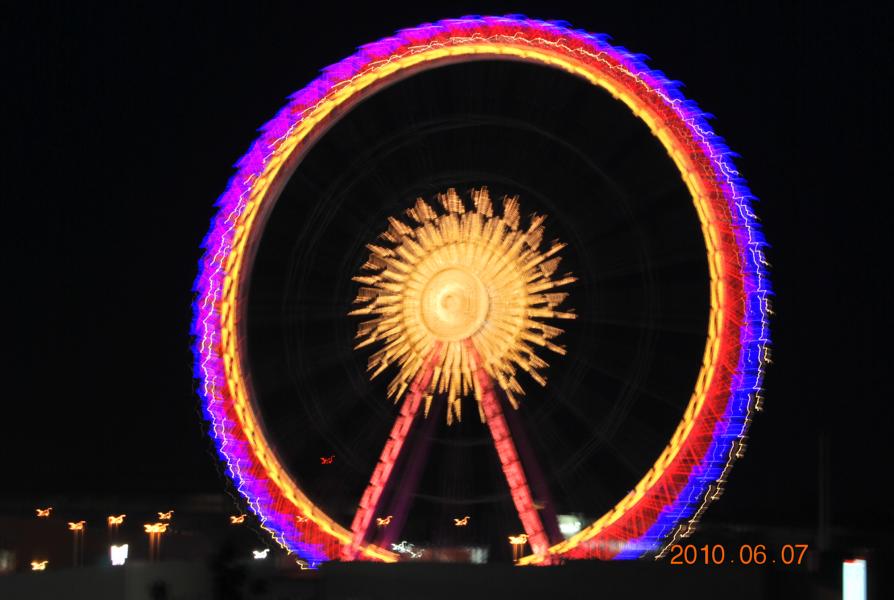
x: 569, y: 525
x: 853, y: 579
x: 119, y: 554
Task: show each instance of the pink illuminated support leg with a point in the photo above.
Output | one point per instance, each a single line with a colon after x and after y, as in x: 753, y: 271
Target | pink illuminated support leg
x: 378, y: 481
x: 512, y: 467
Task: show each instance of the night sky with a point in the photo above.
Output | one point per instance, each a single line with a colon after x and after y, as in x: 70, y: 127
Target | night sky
x: 121, y: 126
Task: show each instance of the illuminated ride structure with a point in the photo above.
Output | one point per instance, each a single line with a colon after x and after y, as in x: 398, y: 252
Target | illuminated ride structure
x: 448, y: 258
x: 458, y: 302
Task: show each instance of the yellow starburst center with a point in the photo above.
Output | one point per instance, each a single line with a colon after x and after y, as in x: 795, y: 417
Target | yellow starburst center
x: 456, y: 279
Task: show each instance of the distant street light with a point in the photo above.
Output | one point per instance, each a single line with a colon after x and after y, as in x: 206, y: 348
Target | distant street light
x: 114, y: 522
x: 77, y: 530
x: 155, y: 531
x: 517, y: 542
x: 44, y: 512
x: 39, y: 565
x: 260, y: 554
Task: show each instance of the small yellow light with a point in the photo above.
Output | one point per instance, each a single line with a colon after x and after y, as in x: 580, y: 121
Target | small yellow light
x: 155, y: 527
x: 116, y: 520
x: 79, y: 526
x: 39, y: 565
x: 44, y: 512
x: 517, y: 542
x: 461, y: 522
x: 166, y: 516
x: 381, y: 522
x: 237, y: 519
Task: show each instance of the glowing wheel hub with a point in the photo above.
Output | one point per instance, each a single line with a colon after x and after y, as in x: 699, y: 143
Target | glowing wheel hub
x: 454, y: 304
x: 469, y: 272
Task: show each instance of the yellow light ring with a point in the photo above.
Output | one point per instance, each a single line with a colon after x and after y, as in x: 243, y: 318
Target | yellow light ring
x: 261, y: 190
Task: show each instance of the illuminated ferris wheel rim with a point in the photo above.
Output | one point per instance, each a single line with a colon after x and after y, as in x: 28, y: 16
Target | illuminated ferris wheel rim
x: 688, y: 473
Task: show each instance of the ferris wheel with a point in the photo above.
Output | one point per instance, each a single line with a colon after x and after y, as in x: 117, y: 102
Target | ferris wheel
x: 393, y: 294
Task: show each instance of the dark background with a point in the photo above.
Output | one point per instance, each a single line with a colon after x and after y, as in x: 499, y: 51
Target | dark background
x: 120, y: 126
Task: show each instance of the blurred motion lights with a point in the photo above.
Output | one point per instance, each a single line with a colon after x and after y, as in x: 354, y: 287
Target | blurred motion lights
x: 672, y: 495
x: 407, y: 548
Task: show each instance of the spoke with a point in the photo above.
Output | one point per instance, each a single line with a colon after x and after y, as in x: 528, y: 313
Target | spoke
x: 509, y: 461
x: 379, y: 480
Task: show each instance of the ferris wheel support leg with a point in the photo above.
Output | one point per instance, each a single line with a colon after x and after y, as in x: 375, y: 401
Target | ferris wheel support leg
x: 512, y: 466
x: 373, y: 493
